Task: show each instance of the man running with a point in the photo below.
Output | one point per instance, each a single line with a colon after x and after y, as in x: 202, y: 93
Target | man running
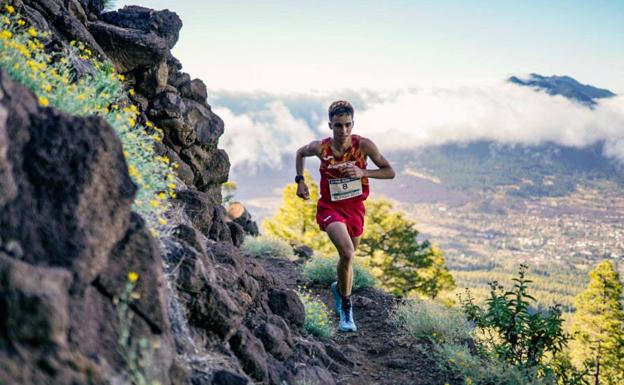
x: 344, y: 187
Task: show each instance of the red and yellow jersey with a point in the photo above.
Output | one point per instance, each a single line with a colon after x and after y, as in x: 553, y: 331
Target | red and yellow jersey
x: 336, y: 187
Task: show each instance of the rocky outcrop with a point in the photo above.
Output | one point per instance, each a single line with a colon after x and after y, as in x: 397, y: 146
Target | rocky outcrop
x: 67, y: 243
x: 68, y: 237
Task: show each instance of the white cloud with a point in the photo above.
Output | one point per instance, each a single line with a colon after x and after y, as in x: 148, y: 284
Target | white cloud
x: 491, y: 110
x: 261, y: 138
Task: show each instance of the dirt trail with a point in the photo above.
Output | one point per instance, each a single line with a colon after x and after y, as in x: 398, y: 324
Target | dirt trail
x: 379, y: 352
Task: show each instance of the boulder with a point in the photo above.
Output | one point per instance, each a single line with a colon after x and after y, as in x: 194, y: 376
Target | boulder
x: 239, y: 214
x: 210, y: 167
x: 194, y: 89
x: 251, y: 353
x: 215, y: 311
x: 286, y: 304
x: 129, y: 49
x: 164, y: 24
x: 61, y: 165
x: 226, y: 377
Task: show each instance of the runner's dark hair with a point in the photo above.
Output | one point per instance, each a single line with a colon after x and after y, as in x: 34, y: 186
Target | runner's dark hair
x: 340, y: 107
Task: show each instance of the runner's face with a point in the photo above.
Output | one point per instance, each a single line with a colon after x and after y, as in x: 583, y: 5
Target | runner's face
x: 341, y: 126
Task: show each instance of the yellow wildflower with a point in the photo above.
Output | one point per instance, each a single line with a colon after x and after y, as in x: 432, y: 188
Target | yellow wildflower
x: 162, y: 196
x: 6, y: 20
x: 133, y: 276
x: 47, y: 88
x: 125, y: 154
x: 21, y: 22
x: 172, y: 185
x: 22, y: 49
x: 43, y: 101
x: 88, y: 51
x: 32, y: 32
x: 131, y: 92
x: 134, y: 108
x: 155, y: 203
x: 6, y: 35
x: 162, y: 221
x: 9, y: 8
x: 132, y: 122
x: 154, y: 233
x: 149, y: 124
x: 132, y: 170
x: 121, y: 77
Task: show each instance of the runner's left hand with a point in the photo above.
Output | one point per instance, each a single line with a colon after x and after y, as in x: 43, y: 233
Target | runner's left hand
x: 353, y: 171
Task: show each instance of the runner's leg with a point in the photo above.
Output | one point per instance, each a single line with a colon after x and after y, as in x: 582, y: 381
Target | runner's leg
x: 339, y: 236
x: 356, y: 242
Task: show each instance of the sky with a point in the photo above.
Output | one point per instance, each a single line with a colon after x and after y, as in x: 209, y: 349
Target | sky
x: 326, y: 45
x: 418, y: 72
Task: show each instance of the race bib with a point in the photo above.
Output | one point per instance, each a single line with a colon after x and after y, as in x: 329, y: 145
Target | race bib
x: 345, y: 188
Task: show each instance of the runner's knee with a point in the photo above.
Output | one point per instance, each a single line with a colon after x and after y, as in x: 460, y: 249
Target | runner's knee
x: 347, y: 254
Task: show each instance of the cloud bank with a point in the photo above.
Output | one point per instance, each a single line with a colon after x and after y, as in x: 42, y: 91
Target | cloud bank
x: 401, y: 120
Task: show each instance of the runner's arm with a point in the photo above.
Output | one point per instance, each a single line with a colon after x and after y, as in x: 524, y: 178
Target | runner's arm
x: 385, y: 170
x: 311, y: 149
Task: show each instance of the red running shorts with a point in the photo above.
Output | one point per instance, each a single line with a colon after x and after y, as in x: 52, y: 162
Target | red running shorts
x: 351, y: 214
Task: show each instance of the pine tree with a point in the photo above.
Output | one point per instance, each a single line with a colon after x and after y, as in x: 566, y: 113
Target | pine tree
x: 402, y: 264
x: 295, y: 221
x: 599, y: 326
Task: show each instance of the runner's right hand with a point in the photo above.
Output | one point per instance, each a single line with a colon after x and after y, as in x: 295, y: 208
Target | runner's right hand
x: 302, y: 190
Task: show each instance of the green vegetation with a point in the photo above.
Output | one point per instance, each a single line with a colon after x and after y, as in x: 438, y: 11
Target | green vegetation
x: 267, y: 246
x: 425, y: 319
x: 137, y: 354
x: 388, y: 247
x: 513, y: 333
x: 317, y: 321
x: 599, y: 327
x: 510, y: 332
x: 458, y: 360
x: 403, y: 265
x: 100, y: 91
x: 502, y: 342
x: 322, y: 269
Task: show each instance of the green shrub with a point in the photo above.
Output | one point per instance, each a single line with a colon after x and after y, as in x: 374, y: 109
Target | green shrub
x: 528, y: 340
x: 267, y: 246
x: 433, y: 321
x: 322, y: 270
x: 100, y: 91
x: 458, y: 361
x: 317, y: 321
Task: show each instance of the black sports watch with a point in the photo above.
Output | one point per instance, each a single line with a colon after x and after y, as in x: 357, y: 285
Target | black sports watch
x: 298, y: 178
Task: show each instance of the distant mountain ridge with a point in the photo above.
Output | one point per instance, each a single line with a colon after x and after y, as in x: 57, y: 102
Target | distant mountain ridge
x: 565, y: 86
